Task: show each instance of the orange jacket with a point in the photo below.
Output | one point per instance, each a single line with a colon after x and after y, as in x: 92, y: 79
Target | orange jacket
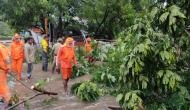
x: 88, y: 47
x: 66, y: 56
x: 17, y: 50
x: 4, y: 57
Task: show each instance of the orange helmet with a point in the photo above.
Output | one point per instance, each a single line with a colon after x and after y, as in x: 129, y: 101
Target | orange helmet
x: 17, y: 36
x: 69, y: 40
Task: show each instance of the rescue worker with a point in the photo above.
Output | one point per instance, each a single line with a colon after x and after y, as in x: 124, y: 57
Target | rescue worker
x: 29, y: 55
x: 17, y: 55
x: 4, y: 69
x: 88, y: 45
x: 45, y: 48
x: 55, y: 49
x: 88, y: 49
x: 8, y: 49
x: 66, y: 58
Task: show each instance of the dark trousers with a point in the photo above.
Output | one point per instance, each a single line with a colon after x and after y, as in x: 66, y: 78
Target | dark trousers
x: 44, y: 61
x: 53, y: 67
x: 29, y: 69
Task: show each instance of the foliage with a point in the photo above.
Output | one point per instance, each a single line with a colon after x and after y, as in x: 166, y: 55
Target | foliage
x: 23, y: 13
x: 84, y: 65
x: 130, y: 100
x: 183, y: 53
x: 82, y: 70
x: 41, y: 83
x: 74, y: 87
x: 87, y: 91
x: 105, y: 76
x: 177, y: 100
x: 100, y: 49
x: 145, y: 61
x: 5, y: 30
x: 107, y: 17
x: 169, y: 19
x: 79, y: 53
x: 150, y: 57
x: 14, y: 99
x: 104, y: 73
x: 50, y: 56
x: 38, y: 55
x: 96, y: 50
x: 149, y: 65
x: 62, y: 16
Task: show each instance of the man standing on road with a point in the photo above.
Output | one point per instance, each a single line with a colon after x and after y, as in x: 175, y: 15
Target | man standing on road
x: 29, y: 51
x: 17, y: 55
x: 45, y: 47
x: 55, y: 52
x: 66, y: 57
x: 4, y: 69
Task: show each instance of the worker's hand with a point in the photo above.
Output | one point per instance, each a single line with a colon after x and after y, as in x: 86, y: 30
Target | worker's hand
x: 56, y: 68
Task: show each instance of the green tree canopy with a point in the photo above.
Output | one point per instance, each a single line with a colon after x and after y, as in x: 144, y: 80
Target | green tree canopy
x: 21, y: 14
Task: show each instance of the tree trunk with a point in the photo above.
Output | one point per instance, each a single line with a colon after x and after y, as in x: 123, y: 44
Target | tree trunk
x: 103, y: 20
x: 59, y: 28
x: 42, y: 21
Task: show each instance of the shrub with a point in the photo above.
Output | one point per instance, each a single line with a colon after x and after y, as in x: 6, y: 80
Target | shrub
x: 86, y: 91
x: 130, y: 100
x: 84, y: 68
x: 74, y: 87
x: 105, y: 75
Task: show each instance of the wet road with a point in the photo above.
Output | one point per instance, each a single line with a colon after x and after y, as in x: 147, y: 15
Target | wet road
x: 60, y: 102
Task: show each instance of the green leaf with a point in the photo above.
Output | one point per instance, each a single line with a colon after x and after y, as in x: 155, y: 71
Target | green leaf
x: 160, y: 73
x: 144, y: 84
x: 119, y: 97
x: 88, y: 91
x: 165, y: 80
x: 127, y: 96
x: 154, y: 11
x: 172, y: 20
x: 164, y: 16
x: 113, y: 79
x: 102, y: 76
x: 130, y: 63
x: 162, y: 107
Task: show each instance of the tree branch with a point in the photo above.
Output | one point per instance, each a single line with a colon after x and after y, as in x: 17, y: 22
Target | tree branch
x: 104, y: 19
x: 41, y: 92
x: 24, y: 101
